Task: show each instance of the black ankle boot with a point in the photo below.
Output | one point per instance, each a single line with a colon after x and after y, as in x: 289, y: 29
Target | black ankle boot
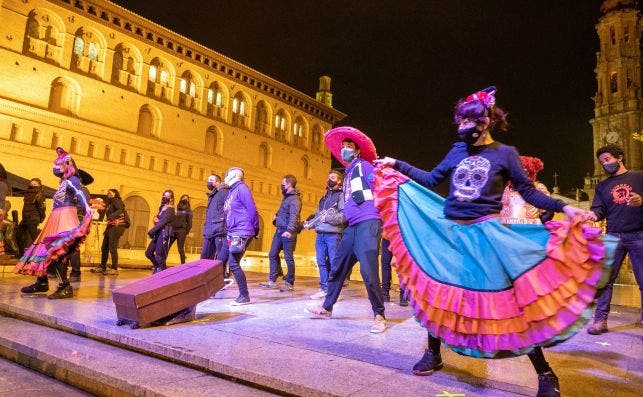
x: 35, y: 288
x: 428, y: 364
x: 548, y: 385
x: 63, y: 291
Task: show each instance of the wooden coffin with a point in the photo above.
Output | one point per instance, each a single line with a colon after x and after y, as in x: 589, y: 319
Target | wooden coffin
x: 167, y: 292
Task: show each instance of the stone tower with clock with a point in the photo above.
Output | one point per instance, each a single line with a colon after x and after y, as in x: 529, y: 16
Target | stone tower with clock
x: 618, y: 115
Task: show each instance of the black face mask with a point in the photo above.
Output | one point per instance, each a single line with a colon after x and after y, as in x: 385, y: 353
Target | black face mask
x: 210, y: 186
x: 58, y: 172
x: 331, y: 183
x: 611, y: 168
x: 164, y: 200
x: 469, y: 135
x: 283, y: 190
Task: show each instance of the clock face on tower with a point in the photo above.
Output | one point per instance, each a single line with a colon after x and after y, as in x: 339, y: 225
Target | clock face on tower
x: 612, y: 136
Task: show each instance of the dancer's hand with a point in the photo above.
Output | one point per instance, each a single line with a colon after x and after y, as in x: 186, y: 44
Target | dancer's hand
x: 573, y: 212
x: 385, y: 162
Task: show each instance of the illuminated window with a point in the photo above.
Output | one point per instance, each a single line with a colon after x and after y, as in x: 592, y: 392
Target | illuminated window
x: 187, y: 91
x: 152, y: 73
x: 299, y: 135
x: 87, y: 52
x: 280, y: 126
x: 239, y: 110
x: 126, y: 67
x: 159, y: 78
x: 215, y: 101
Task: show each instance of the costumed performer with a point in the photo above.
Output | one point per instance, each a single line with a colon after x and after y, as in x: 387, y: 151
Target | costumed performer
x: 514, y: 208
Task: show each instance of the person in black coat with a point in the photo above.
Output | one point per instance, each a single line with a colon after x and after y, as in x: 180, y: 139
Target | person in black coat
x: 182, y: 225
x: 161, y: 233
x: 33, y: 213
x: 116, y: 225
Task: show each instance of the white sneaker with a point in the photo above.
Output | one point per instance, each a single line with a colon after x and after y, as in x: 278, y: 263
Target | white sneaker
x: 240, y: 301
x: 379, y: 325
x: 319, y: 294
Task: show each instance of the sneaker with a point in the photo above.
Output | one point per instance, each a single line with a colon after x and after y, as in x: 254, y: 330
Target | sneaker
x: 379, y: 325
x: 97, y: 269
x: 548, y: 385
x: 240, y: 301
x: 599, y: 327
x: 287, y: 287
x: 269, y: 285
x: 318, y: 312
x: 62, y: 292
x: 428, y: 364
x: 227, y: 282
x: 321, y: 294
x: 403, y: 301
x: 74, y: 279
x: 35, y: 288
x: 111, y: 272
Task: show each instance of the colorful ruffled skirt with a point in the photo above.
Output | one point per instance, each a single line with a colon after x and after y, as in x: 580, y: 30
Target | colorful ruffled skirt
x: 61, y: 235
x: 487, y: 289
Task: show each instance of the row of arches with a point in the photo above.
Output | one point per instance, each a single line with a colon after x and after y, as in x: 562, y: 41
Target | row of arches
x: 44, y: 38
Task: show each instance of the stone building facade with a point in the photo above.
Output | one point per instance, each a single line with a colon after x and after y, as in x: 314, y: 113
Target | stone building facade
x: 144, y: 109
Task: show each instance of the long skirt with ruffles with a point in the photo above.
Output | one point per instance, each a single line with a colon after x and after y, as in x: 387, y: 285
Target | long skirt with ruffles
x: 487, y: 289
x: 60, y: 236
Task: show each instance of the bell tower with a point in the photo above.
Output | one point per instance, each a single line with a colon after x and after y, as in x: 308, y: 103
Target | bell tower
x: 618, y: 116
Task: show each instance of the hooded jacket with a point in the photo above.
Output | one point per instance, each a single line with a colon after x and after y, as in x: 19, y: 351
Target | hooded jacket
x: 289, y: 211
x: 240, y: 210
x: 214, y: 216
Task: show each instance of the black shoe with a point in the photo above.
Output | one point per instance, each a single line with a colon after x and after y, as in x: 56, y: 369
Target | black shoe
x: 35, y: 288
x: 74, y: 279
x: 386, y: 298
x: 428, y: 364
x: 548, y: 385
x: 403, y: 301
x: 62, y: 292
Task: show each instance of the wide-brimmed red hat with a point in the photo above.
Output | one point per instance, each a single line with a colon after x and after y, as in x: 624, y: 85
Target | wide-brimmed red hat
x: 334, y: 138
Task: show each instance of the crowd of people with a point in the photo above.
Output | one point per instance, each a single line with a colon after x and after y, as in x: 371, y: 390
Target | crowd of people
x: 486, y: 270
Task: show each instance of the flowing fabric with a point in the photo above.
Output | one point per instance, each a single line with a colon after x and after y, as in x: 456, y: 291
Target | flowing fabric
x: 61, y: 235
x: 487, y: 289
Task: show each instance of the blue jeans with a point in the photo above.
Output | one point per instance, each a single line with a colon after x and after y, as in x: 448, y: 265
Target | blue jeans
x: 234, y: 260
x: 360, y: 242
x: 630, y: 243
x: 288, y: 246
x: 325, y: 249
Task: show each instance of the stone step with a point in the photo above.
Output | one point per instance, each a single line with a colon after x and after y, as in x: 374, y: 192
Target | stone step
x: 106, y: 370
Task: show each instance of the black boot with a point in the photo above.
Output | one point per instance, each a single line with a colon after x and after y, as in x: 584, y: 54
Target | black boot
x: 35, y: 288
x: 548, y: 385
x: 386, y: 295
x: 63, y: 291
x: 403, y: 300
x: 428, y: 364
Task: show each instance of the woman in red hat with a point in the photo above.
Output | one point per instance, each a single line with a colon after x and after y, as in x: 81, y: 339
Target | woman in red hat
x: 482, y: 288
x: 60, y: 236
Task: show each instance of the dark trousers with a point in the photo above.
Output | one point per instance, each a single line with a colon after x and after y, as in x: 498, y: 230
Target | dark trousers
x: 360, y: 242
x: 234, y: 259
x: 157, y: 251
x: 630, y: 243
x: 110, y: 246
x: 74, y: 262
x: 179, y: 236
x: 387, y: 258
x: 216, y: 248
x: 28, y: 233
x: 287, y: 245
x: 325, y: 250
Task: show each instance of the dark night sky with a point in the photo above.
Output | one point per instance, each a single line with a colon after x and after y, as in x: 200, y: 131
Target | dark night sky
x: 398, y: 66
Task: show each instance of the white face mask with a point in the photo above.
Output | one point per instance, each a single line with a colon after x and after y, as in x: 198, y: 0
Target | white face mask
x: 229, y: 180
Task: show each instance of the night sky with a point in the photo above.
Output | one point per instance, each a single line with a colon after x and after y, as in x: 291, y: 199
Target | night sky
x: 398, y: 67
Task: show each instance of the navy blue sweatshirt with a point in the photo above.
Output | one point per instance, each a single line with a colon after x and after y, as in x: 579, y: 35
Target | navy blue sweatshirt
x: 610, y: 201
x: 478, y: 178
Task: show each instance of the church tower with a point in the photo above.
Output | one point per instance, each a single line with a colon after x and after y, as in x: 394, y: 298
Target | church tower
x: 618, y: 116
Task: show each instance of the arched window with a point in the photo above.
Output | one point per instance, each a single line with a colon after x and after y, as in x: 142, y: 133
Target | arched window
x: 159, y: 79
x: 44, y: 36
x: 187, y: 91
x: 126, y: 66
x: 315, y: 144
x: 215, y: 101
x: 280, y: 126
x: 264, y: 156
x: 88, y: 52
x: 65, y: 96
x: 261, y: 119
x: 149, y: 122
x: 139, y: 212
x: 299, y: 133
x: 239, y: 110
x: 213, y: 141
x: 305, y: 165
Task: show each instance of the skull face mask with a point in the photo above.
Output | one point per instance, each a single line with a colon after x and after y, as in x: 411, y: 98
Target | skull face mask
x: 469, y: 177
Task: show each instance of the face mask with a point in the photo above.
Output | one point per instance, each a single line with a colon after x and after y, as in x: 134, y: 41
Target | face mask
x: 469, y: 135
x: 164, y: 200
x: 58, y: 172
x: 229, y: 180
x: 210, y: 186
x: 331, y: 183
x: 283, y: 190
x: 611, y: 168
x: 347, y: 154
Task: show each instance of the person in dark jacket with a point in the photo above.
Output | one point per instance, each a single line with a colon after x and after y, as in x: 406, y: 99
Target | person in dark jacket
x: 33, y: 213
x: 214, y: 230
x: 116, y: 225
x: 182, y: 225
x: 4, y: 189
x: 285, y: 238
x: 85, y: 179
x: 161, y: 233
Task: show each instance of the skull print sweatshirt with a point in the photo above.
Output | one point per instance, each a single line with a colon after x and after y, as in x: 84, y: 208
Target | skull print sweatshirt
x: 478, y: 178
